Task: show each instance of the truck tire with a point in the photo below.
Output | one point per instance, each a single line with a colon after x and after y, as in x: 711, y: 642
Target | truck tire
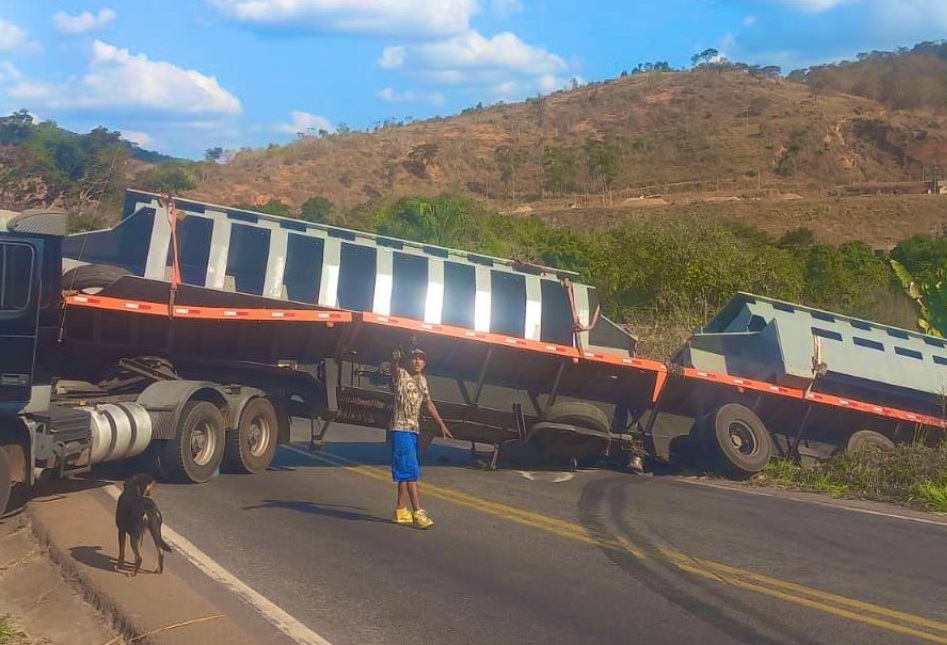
x: 5, y: 484
x: 865, y: 438
x: 580, y: 414
x: 251, y: 446
x: 740, y: 439
x: 194, y: 455
x: 91, y: 278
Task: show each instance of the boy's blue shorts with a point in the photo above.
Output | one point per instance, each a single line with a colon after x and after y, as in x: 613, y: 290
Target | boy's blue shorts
x: 404, y: 456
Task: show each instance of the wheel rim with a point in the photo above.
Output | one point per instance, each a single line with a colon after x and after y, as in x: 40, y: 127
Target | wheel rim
x: 258, y: 436
x: 203, y: 443
x: 742, y: 438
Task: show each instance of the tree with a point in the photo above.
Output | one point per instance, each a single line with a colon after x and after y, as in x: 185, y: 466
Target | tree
x: 602, y: 158
x: 508, y: 160
x: 167, y: 178
x: 443, y: 221
x: 929, y: 297
x: 213, y: 154
x: 16, y: 129
x: 420, y: 158
x: 317, y: 209
x: 559, y: 169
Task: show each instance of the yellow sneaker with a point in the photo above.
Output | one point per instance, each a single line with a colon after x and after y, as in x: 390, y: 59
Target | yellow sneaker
x: 421, y: 520
x: 403, y: 516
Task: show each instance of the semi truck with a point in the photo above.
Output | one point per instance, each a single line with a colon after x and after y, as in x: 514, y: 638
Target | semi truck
x: 190, y: 335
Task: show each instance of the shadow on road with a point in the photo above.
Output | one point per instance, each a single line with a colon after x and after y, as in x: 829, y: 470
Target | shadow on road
x: 93, y: 556
x: 325, y: 510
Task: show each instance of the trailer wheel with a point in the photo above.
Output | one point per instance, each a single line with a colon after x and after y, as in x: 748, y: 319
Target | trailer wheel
x: 91, y: 278
x: 198, y: 446
x: 741, y: 439
x: 5, y: 484
x: 576, y: 413
x: 251, y: 446
x: 865, y: 438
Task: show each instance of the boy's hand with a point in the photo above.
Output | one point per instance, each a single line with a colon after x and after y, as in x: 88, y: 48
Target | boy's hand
x: 396, y: 356
x: 446, y: 432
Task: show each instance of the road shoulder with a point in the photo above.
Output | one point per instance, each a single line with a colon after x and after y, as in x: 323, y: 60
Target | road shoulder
x: 76, y: 525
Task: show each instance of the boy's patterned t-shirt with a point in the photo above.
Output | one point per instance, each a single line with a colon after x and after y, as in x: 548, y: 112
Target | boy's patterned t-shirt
x: 410, y: 394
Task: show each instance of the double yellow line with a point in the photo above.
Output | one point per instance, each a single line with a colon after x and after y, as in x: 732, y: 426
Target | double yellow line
x: 889, y: 619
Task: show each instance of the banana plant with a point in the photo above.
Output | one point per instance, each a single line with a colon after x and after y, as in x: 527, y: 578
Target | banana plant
x: 930, y: 300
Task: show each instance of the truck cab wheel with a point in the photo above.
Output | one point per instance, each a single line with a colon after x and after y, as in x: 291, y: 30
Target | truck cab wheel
x: 195, y: 453
x: 250, y: 447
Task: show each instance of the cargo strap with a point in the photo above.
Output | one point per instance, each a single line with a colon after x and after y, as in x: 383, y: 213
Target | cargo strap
x: 172, y: 212
x: 577, y: 325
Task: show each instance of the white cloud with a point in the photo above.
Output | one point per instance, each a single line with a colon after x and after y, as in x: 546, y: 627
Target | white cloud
x: 305, y: 122
x: 505, y: 8
x: 815, y: 6
x: 117, y: 79
x: 142, y: 139
x: 390, y: 95
x: 377, y: 17
x: 464, y: 56
x: 911, y: 14
x: 84, y: 22
x: 501, y: 67
x: 14, y: 38
x: 749, y: 21
x: 8, y: 72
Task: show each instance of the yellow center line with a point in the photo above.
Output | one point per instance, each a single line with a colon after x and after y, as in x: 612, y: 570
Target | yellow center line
x: 809, y: 597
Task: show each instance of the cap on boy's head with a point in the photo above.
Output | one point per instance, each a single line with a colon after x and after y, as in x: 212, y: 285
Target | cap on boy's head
x: 417, y: 351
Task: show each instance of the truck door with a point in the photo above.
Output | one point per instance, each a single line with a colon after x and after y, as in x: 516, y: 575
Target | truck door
x: 20, y: 296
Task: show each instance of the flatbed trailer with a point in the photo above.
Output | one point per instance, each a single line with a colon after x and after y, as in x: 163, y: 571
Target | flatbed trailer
x: 189, y: 335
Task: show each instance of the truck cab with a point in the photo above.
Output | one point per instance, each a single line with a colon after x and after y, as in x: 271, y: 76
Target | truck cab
x: 30, y: 306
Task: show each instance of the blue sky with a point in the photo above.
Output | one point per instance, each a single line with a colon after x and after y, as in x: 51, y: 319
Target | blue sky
x: 180, y: 76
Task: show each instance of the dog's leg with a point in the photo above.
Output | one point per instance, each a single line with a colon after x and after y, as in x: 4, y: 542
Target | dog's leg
x: 121, y: 550
x: 136, y: 547
x: 160, y: 567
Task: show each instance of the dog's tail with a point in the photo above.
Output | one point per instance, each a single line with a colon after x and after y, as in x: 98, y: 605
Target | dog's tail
x: 154, y: 525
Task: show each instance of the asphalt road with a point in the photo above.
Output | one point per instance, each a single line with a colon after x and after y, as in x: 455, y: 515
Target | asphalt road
x: 548, y: 557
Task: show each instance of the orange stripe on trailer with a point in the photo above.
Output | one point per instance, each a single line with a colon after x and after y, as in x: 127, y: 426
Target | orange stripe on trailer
x: 466, y: 334
x: 511, y: 341
x: 817, y: 397
x: 894, y: 413
x: 208, y: 313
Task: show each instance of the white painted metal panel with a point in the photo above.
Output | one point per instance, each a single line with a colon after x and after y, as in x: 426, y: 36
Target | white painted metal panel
x: 331, y: 260
x: 434, y: 302
x: 384, y: 268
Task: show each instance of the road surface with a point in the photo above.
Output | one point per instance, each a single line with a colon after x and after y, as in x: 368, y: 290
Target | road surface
x: 547, y: 557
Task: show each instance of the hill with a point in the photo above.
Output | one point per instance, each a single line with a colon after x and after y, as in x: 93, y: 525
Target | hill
x: 718, y: 132
x: 43, y: 165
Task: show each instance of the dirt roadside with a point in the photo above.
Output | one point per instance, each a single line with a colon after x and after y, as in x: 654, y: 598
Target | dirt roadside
x: 40, y: 604
x: 59, y: 584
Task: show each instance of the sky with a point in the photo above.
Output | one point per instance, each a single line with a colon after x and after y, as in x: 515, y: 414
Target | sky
x: 182, y: 76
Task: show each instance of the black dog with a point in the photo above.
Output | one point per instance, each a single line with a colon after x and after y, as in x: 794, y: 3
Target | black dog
x: 136, y: 513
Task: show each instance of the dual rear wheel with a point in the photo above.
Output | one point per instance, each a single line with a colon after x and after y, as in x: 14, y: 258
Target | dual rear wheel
x: 202, y: 446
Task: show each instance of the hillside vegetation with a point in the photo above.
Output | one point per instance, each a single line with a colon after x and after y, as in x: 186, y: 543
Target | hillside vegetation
x: 669, y: 190
x: 719, y: 133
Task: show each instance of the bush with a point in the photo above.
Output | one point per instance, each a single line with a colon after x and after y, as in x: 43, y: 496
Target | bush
x: 913, y: 473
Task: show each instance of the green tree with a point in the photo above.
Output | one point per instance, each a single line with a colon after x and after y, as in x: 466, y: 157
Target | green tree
x: 443, y: 221
x: 847, y: 279
x: 929, y: 298
x: 317, y: 209
x: 167, y: 178
x: 213, y: 154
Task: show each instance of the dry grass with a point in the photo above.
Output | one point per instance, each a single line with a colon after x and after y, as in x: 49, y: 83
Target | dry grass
x: 706, y: 142
x: 914, y: 474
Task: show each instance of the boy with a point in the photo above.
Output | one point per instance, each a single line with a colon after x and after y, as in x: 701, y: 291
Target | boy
x: 411, y: 391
